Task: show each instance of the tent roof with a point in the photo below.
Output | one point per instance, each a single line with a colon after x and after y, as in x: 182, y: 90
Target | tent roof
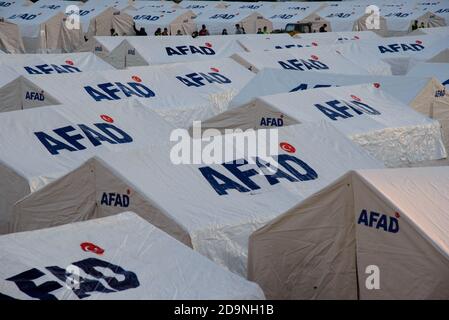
x: 34, y: 162
x: 333, y: 61
x: 176, y: 95
x: 422, y: 194
x: 83, y: 61
x: 437, y: 70
x: 219, y: 223
x: 164, y: 268
x: 393, y: 113
x: 273, y: 81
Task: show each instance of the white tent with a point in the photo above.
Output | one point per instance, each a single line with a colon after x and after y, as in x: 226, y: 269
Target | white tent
x: 96, y: 16
x: 41, y: 144
x: 150, y: 19
x: 200, y: 6
x: 101, y: 45
x: 180, y: 93
x: 338, y: 37
x: 281, y: 16
x: 10, y: 38
x: 140, y: 261
x: 274, y: 41
x: 44, y: 30
x: 17, y: 92
x: 42, y: 64
x: 399, y: 52
x: 212, y: 208
x: 320, y: 59
x: 399, y: 22
x: 373, y: 234
x: 342, y: 17
x: 141, y: 51
x: 442, y: 10
x: 422, y: 92
x: 218, y: 19
x: 437, y: 70
x: 387, y: 128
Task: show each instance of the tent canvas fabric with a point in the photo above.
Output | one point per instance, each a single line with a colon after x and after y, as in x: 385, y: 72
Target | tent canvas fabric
x: 421, y: 92
x: 400, y: 22
x: 340, y: 17
x: 399, y: 52
x: 180, y: 93
x: 215, y: 221
x: 55, y: 140
x: 320, y: 59
x: 45, y: 30
x: 141, y: 51
x: 101, y: 46
x: 43, y: 64
x: 217, y: 20
x: 388, y: 129
x: 124, y: 245
x: 17, y: 92
x: 393, y: 219
x: 151, y: 20
x: 438, y: 70
x: 10, y: 38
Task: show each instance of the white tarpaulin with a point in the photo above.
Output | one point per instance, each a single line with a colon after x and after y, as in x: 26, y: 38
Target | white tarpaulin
x: 41, y: 144
x: 181, y: 93
x: 372, y: 229
x: 44, y: 30
x: 141, y: 262
x: 42, y: 64
x: 10, y: 38
x: 218, y: 19
x: 293, y: 13
x: 150, y: 19
x: 17, y: 92
x: 320, y: 59
x: 337, y: 37
x: 388, y: 129
x: 399, y: 52
x: 401, y: 21
x: 437, y: 70
x: 141, y: 51
x: 213, y: 208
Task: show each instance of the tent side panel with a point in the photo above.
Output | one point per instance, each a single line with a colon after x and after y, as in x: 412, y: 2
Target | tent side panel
x: 115, y: 194
x: 12, y: 188
x: 11, y: 96
x: 66, y: 200
x: 394, y: 260
x: 308, y: 252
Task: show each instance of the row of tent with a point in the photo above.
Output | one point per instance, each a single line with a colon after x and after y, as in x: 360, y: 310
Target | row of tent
x: 95, y: 143
x: 46, y: 25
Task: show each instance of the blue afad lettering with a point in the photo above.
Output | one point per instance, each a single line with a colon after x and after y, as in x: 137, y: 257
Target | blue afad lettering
x: 30, y: 95
x: 24, y: 16
x: 113, y: 279
x: 201, y: 79
x: 397, y: 47
x: 222, y: 16
x: 145, y: 17
x: 112, y: 199
x: 446, y: 83
x: 51, y: 68
x: 271, y: 122
x: 336, y: 110
x: 303, y: 65
x: 185, y: 50
x: 118, y: 90
x: 378, y: 221
x: 305, y: 86
x: 4, y: 4
x: 104, y: 132
x: 289, y: 168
